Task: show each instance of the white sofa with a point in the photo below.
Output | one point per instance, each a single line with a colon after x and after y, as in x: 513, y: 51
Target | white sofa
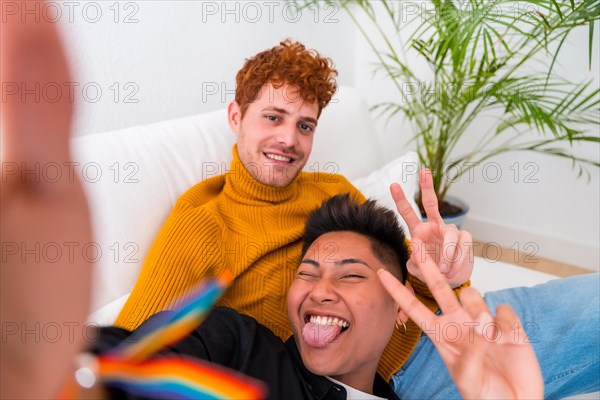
x: 134, y: 176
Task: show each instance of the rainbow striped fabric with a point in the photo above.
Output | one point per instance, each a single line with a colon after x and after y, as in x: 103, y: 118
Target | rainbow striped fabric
x: 174, y: 326
x: 129, y: 367
x: 177, y: 378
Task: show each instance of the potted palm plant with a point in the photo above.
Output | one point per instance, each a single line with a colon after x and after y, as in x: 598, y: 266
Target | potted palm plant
x: 482, y: 57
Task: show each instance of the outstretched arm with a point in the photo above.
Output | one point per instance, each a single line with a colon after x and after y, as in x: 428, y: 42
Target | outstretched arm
x: 484, y: 355
x: 451, y: 248
x: 44, y: 295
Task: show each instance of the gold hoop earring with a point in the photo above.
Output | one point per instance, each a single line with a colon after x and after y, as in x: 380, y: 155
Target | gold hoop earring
x: 403, y: 325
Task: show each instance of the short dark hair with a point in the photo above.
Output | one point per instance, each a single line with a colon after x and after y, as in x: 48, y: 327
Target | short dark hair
x: 341, y: 213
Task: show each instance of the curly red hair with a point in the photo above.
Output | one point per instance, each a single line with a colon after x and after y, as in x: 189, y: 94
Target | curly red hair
x: 291, y: 64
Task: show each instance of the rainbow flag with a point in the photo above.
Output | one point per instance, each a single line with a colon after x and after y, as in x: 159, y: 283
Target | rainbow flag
x: 177, y: 378
x: 174, y: 326
x: 128, y: 367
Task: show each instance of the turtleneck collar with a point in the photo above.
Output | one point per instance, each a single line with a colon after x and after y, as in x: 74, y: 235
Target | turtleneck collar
x: 244, y: 188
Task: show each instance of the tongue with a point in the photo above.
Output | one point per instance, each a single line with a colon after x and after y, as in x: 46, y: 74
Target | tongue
x: 317, y: 335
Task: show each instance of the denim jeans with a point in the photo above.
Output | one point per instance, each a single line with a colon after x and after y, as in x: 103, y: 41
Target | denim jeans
x: 561, y: 319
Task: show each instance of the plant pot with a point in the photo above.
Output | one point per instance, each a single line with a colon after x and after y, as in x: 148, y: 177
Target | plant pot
x: 457, y: 219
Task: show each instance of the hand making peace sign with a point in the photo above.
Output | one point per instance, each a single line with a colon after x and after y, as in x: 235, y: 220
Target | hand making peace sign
x: 451, y: 248
x: 487, y: 357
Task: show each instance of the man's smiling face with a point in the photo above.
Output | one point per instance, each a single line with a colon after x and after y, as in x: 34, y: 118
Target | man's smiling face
x: 275, y: 135
x: 341, y: 314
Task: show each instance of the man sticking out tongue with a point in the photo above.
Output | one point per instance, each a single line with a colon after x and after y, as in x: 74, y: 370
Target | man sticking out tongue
x: 347, y: 299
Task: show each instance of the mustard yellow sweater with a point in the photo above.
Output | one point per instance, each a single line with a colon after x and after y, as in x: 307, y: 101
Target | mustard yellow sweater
x: 233, y: 221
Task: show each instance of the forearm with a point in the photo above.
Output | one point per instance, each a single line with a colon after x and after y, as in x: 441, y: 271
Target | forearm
x: 44, y: 297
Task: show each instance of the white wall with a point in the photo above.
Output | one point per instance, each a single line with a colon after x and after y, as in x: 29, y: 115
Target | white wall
x: 155, y: 60
x: 551, y: 214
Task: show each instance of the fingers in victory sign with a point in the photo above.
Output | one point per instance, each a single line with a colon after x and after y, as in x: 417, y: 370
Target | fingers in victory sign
x: 451, y: 248
x: 485, y: 356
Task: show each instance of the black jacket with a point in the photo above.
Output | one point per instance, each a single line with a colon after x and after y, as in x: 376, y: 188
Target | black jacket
x: 240, y: 343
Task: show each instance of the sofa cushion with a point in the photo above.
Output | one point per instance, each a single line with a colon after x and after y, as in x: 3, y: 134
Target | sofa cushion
x: 403, y: 170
